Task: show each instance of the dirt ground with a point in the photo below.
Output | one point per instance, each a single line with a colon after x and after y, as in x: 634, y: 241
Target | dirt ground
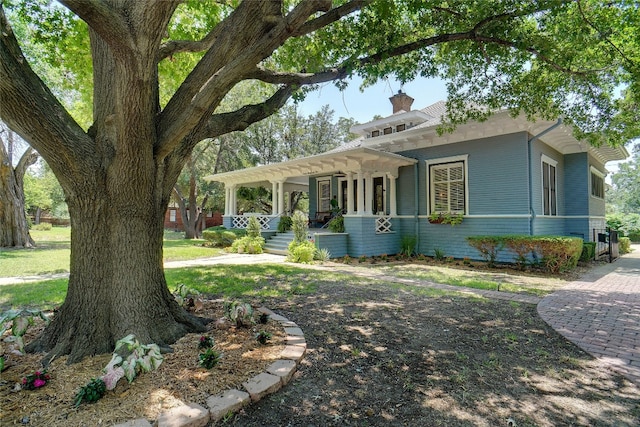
x: 382, y: 354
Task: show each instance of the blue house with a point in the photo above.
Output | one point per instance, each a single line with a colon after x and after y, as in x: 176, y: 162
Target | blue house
x: 503, y: 176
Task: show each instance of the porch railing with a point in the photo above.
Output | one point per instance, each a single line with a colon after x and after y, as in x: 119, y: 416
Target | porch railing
x: 241, y: 221
x: 383, y: 224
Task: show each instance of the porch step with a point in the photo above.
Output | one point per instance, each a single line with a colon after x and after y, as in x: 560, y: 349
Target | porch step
x: 279, y: 243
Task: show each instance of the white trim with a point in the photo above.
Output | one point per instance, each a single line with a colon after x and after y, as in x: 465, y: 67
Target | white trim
x: 593, y: 169
x: 382, y: 175
x: 451, y: 159
x: 549, y: 160
x: 554, y: 163
x: 320, y: 181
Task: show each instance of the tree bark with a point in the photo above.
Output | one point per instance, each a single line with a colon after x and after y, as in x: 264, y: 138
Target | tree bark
x: 14, y: 228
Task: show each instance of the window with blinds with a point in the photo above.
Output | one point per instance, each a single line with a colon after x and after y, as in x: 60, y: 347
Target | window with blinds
x: 447, y: 190
x: 324, y: 196
x: 597, y: 185
x: 549, y: 201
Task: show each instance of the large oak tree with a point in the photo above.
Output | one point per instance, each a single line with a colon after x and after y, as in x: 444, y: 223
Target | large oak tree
x: 548, y: 58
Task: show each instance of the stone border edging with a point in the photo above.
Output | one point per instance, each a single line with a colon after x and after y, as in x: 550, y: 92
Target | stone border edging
x: 277, y: 375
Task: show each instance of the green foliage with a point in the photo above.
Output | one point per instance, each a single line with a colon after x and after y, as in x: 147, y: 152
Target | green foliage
x: 323, y: 255
x: 336, y: 224
x: 253, y: 228
x: 248, y: 245
x: 263, y: 337
x: 303, y: 252
x: 263, y: 319
x: 284, y: 224
x: 488, y: 246
x: 186, y: 296
x: 556, y: 253
x: 559, y: 253
x: 209, y: 358
x: 222, y: 237
x: 205, y: 342
x: 588, y: 251
x: 408, y: 245
x: 19, y: 322
x: 446, y: 218
x: 129, y: 359
x: 300, y: 227
x: 624, y: 195
x: 438, y: 254
x: 91, y: 393
x: 240, y: 313
x: 43, y: 226
x: 624, y: 245
x: 628, y: 224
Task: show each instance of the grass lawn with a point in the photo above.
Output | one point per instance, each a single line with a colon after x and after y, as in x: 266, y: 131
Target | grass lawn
x: 53, y: 248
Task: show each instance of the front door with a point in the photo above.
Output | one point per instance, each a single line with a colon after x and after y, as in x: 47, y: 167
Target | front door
x: 378, y: 195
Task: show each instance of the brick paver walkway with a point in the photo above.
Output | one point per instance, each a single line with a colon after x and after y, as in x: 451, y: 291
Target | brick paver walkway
x: 601, y: 314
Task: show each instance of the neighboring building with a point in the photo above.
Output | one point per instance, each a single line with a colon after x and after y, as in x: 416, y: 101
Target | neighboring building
x: 173, y: 219
x: 504, y: 175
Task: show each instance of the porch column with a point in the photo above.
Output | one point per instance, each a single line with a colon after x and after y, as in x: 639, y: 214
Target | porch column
x: 227, y: 199
x: 349, y: 193
x: 280, y: 197
x: 360, y: 193
x: 393, y: 208
x: 369, y: 193
x: 274, y: 198
x: 234, y: 201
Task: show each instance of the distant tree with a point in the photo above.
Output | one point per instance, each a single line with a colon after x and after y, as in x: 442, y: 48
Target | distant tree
x: 43, y: 193
x: 14, y: 229
x: 624, y: 194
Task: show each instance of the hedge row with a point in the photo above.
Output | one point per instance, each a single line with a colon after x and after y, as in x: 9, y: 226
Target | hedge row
x: 221, y: 236
x: 554, y: 253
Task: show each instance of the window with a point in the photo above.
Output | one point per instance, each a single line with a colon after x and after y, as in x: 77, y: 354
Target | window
x: 401, y: 127
x: 448, y: 185
x: 387, y: 131
x: 375, y: 133
x: 597, y: 183
x: 378, y: 195
x: 172, y: 215
x: 549, y: 185
x: 324, y: 196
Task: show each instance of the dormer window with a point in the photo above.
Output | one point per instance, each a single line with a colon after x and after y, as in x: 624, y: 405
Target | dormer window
x: 375, y: 133
x: 387, y: 131
x: 401, y: 127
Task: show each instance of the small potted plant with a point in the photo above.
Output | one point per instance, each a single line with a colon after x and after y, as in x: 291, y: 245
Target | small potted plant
x: 436, y: 218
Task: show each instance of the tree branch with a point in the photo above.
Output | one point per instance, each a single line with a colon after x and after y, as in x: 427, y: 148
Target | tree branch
x: 242, y: 118
x: 331, y: 16
x: 110, y: 25
x: 29, y: 157
x: 25, y: 100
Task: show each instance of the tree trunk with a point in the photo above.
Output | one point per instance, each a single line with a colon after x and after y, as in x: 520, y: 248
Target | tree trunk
x: 14, y: 228
x: 117, y: 284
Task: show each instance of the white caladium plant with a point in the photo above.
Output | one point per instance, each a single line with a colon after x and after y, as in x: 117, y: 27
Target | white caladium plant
x: 129, y: 359
x: 19, y: 321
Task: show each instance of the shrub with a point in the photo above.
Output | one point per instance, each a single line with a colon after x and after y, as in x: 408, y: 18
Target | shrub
x: 221, y: 236
x: 303, y: 252
x: 559, y: 253
x: 43, y: 226
x: 522, y: 246
x: 336, y: 225
x: 248, y: 245
x: 624, y: 245
x: 438, y: 254
x: 300, y: 227
x: 626, y: 223
x: 588, y: 251
x: 285, y: 224
x: 323, y: 255
x: 253, y: 227
x: 488, y: 246
x: 408, y: 245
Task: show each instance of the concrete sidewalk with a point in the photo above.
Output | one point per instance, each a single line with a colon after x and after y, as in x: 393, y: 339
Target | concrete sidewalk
x: 601, y: 313
x: 218, y: 260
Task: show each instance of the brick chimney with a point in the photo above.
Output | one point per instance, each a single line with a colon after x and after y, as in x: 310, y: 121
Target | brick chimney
x: 401, y: 101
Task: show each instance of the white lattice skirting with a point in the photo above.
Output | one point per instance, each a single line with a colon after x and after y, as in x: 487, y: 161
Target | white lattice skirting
x: 383, y: 224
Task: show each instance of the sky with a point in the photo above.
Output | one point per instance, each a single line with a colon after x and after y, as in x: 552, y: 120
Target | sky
x: 374, y: 100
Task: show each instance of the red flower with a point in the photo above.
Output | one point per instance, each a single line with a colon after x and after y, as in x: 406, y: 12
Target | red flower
x: 39, y: 383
